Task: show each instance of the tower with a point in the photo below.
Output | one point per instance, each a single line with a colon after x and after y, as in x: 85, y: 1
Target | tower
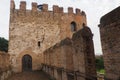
x: 33, y: 31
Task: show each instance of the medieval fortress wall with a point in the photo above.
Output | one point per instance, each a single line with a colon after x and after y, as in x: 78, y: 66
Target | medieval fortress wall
x: 72, y: 57
x: 5, y: 68
x: 110, y: 38
x: 56, y: 40
x: 34, y: 31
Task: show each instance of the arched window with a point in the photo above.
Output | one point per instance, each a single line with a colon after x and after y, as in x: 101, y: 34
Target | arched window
x: 73, y: 26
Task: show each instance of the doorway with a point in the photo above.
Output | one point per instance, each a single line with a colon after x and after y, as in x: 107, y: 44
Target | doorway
x: 27, y: 63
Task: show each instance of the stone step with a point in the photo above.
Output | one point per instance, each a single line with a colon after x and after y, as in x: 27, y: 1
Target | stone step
x: 33, y: 75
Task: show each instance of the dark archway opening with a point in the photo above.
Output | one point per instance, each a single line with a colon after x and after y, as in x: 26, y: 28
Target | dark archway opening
x: 27, y: 63
x: 73, y: 27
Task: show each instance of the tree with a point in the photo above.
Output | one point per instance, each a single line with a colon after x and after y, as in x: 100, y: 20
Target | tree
x: 3, y: 44
x: 99, y: 63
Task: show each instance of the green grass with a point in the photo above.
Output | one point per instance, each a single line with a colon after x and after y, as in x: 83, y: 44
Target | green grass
x: 102, y: 71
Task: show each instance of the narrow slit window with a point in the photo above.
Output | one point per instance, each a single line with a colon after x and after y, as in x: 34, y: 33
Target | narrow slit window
x: 38, y: 43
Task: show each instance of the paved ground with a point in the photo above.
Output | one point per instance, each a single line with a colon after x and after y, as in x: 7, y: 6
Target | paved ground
x: 33, y: 75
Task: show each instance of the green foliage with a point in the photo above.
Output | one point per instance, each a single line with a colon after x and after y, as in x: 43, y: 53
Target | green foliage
x: 100, y: 64
x: 3, y: 44
x: 102, y: 71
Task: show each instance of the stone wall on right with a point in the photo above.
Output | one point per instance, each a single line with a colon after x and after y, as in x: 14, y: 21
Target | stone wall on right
x: 110, y: 39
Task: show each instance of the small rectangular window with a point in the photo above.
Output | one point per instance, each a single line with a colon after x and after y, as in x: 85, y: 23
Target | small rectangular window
x: 38, y: 43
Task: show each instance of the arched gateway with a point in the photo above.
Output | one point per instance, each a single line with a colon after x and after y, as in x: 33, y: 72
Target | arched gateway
x: 27, y: 63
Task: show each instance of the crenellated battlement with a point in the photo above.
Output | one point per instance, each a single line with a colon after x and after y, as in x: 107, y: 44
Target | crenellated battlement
x: 12, y: 5
x: 34, y: 5
x: 22, y: 5
x: 32, y: 31
x: 44, y: 8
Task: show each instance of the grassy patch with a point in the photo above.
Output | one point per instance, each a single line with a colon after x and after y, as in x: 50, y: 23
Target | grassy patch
x: 101, y: 71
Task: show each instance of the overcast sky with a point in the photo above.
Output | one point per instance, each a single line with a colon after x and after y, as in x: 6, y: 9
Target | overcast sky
x: 94, y: 9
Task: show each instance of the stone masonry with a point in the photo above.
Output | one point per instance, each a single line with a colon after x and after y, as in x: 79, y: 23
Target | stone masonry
x: 5, y: 68
x: 110, y: 37
x: 72, y: 59
x: 33, y: 31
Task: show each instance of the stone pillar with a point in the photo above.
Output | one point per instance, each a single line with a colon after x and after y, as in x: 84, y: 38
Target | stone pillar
x: 55, y: 73
x: 75, y: 76
x: 64, y: 75
x: 49, y: 71
x: 43, y: 68
x: 59, y: 72
x: 52, y: 72
x: 46, y: 69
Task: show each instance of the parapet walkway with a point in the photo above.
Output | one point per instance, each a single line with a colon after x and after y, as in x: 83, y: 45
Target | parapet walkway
x: 33, y: 75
